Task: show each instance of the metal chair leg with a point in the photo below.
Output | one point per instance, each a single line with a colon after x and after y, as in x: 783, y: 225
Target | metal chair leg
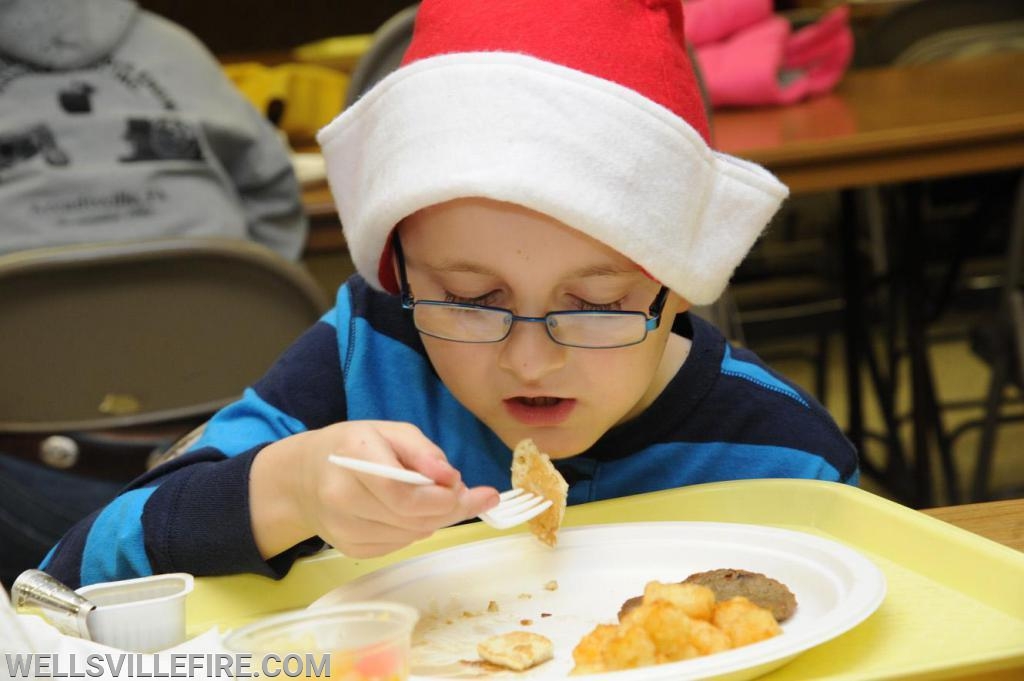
x: 986, y: 446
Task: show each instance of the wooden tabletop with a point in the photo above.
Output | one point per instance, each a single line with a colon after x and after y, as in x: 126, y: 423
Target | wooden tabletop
x: 889, y: 124
x: 1000, y: 521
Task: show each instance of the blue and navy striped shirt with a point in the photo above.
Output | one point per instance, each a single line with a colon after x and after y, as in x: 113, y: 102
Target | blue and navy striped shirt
x: 725, y: 416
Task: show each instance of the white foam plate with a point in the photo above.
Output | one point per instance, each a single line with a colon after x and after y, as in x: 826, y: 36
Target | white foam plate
x: 596, y: 568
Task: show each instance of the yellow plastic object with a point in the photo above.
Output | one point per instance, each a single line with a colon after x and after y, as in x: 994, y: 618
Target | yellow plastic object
x: 312, y: 95
x: 954, y: 605
x: 343, y: 52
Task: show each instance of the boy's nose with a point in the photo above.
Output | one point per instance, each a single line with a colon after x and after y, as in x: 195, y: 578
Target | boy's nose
x: 529, y: 353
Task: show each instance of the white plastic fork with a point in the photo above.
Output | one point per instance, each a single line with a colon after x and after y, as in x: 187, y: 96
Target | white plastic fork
x: 516, y: 506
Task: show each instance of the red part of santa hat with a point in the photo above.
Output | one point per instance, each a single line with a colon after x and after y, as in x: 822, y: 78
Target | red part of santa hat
x: 636, y: 44
x: 587, y: 111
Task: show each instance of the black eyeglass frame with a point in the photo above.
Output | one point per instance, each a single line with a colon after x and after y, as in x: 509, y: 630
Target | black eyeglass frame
x: 652, y: 319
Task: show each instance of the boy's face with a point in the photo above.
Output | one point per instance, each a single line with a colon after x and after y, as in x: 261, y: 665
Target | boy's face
x: 502, y: 255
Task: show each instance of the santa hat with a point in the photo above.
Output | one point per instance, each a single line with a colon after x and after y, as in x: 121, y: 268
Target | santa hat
x: 587, y: 111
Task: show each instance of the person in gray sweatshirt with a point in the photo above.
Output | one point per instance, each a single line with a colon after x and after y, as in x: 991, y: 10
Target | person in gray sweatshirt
x: 118, y: 124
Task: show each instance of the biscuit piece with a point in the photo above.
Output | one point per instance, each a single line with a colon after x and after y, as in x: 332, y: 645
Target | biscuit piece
x: 516, y: 650
x: 764, y: 591
x: 533, y: 472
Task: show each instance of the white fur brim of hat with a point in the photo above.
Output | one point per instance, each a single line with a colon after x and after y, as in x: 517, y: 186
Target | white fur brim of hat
x: 588, y: 152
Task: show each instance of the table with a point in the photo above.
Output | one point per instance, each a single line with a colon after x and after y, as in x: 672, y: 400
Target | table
x: 896, y: 124
x: 1000, y: 521
x: 889, y: 125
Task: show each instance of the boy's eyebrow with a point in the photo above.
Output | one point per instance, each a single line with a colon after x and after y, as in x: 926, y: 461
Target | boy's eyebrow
x: 602, y: 270
x: 463, y: 266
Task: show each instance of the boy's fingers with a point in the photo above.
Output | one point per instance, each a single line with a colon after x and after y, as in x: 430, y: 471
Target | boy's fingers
x: 417, y: 452
x: 419, y: 508
x: 451, y: 506
x: 399, y: 445
x: 465, y: 504
x: 474, y: 501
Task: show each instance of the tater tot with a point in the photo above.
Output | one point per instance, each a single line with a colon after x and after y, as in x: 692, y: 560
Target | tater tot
x: 631, y: 647
x: 743, y: 622
x: 696, y: 601
x: 668, y: 626
x: 609, y: 647
x: 708, y: 639
x: 589, y: 652
x: 673, y: 622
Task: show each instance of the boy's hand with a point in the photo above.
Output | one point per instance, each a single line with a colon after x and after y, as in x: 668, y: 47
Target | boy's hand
x: 296, y: 493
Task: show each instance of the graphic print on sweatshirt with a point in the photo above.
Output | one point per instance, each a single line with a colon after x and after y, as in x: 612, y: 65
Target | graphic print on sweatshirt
x: 20, y: 146
x: 76, y: 98
x: 89, y: 103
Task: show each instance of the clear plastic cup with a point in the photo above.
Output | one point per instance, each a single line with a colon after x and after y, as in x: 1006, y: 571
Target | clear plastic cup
x: 367, y: 641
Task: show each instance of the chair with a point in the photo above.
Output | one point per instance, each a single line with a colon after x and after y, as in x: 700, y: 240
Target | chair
x: 929, y: 30
x: 1000, y: 343
x: 788, y: 288
x: 114, y: 350
x: 966, y: 219
x: 384, y: 54
x: 960, y: 209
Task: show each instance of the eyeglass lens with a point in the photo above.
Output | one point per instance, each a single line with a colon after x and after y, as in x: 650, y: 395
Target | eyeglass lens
x: 482, y: 325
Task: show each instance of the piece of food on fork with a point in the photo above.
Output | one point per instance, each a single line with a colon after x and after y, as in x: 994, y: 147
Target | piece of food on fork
x: 532, y: 471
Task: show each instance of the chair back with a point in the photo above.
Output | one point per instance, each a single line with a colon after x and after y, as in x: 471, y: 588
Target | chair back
x: 125, y: 334
x: 932, y: 30
x: 1013, y: 286
x: 385, y: 53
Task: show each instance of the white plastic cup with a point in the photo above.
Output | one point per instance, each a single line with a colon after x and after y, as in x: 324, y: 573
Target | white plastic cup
x: 141, y: 615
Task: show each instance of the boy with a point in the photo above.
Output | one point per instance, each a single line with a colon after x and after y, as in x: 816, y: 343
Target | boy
x: 535, y: 184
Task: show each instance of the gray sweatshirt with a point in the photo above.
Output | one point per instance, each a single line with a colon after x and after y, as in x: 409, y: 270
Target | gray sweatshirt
x: 118, y: 124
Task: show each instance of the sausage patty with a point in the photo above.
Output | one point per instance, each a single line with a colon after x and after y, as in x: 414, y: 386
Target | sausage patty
x: 759, y: 589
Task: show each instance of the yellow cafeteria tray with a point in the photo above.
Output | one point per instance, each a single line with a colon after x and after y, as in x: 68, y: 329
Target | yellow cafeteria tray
x: 954, y: 606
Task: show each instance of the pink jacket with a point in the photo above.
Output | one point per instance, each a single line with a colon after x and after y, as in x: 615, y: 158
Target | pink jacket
x: 750, y: 56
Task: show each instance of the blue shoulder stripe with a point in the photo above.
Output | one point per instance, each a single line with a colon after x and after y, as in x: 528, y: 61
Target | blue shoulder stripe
x: 342, y: 315
x: 115, y: 547
x: 246, y: 423
x: 757, y: 375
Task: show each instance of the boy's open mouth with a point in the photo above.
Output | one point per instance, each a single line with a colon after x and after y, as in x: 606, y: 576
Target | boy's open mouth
x: 538, y: 401
x: 539, y: 411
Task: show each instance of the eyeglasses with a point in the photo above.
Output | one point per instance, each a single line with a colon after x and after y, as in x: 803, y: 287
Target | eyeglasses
x: 467, y: 323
